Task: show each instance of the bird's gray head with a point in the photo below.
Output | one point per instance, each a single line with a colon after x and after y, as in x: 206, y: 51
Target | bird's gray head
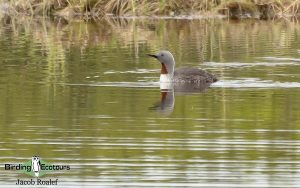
x: 167, y: 61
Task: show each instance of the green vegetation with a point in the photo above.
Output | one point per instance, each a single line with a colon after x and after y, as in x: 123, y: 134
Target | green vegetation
x: 263, y: 9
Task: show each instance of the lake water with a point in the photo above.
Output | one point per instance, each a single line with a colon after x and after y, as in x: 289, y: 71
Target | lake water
x: 85, y: 94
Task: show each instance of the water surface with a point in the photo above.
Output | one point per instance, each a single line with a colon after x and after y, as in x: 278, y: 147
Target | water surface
x: 85, y: 94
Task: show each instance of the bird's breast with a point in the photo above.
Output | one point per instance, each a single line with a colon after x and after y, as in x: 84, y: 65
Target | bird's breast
x: 165, y: 78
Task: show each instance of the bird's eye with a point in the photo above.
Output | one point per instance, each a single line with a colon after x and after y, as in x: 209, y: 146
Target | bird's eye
x: 162, y: 54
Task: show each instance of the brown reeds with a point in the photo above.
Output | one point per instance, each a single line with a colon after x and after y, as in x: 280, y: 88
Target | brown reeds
x: 263, y: 9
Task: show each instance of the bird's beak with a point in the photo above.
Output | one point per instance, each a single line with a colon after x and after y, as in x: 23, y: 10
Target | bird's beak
x: 151, y: 55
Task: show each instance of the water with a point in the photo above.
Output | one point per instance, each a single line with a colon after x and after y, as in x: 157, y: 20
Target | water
x: 86, y: 95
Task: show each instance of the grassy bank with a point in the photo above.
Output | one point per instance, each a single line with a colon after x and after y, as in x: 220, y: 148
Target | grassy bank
x: 262, y: 9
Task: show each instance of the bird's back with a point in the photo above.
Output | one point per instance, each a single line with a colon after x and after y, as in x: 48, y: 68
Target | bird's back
x: 193, y: 75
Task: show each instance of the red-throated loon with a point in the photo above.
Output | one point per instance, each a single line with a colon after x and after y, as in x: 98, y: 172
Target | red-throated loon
x: 183, y: 74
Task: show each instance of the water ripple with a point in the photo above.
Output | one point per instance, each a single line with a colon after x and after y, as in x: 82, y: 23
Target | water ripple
x: 241, y: 65
x: 254, y: 83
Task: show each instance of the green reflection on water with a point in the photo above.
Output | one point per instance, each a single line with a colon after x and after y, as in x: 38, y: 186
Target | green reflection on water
x: 53, y: 104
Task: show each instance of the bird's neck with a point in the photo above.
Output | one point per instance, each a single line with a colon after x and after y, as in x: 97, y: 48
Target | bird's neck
x: 166, y: 75
x: 163, y: 69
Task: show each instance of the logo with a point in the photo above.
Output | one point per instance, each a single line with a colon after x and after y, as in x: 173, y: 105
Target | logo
x: 36, y: 167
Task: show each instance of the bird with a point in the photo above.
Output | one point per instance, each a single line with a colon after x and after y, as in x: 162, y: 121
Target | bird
x: 183, y: 75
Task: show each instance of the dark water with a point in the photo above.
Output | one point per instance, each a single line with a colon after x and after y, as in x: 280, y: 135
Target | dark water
x: 86, y: 95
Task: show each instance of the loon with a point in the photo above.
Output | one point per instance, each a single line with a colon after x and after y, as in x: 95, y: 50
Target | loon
x: 169, y: 74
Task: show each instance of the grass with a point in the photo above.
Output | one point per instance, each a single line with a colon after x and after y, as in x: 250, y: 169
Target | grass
x: 263, y: 9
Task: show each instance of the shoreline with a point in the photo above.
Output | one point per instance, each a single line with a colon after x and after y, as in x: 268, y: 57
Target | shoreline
x: 96, y: 9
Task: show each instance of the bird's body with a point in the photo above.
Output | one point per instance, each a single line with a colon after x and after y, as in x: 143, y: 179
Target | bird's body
x: 193, y: 75
x: 169, y: 74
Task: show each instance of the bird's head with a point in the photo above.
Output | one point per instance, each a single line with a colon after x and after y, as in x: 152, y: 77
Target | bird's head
x: 167, y: 61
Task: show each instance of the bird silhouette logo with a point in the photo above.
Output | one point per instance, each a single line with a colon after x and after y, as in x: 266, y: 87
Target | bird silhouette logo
x: 35, y: 165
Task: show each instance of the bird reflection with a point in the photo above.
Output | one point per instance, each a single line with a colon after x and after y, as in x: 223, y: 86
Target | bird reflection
x: 165, y: 105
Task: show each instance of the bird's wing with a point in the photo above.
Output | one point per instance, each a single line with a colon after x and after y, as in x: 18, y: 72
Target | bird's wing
x: 194, y: 75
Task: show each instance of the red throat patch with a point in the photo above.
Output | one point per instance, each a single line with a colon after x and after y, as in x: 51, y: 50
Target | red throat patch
x: 163, y: 69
